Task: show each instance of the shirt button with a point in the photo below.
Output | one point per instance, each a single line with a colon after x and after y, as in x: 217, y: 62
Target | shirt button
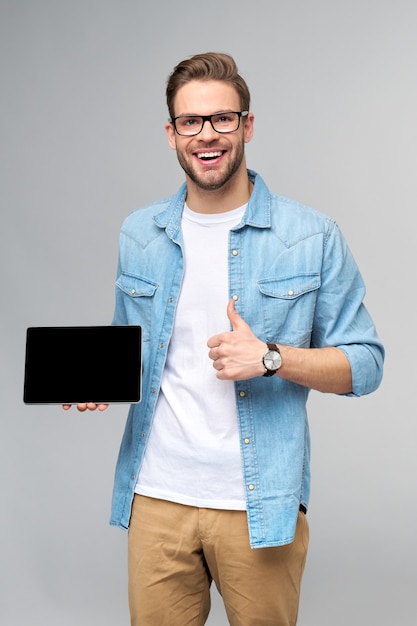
x: 235, y: 252
x: 251, y: 487
x: 290, y: 292
x: 235, y: 297
x: 242, y: 394
x: 133, y: 291
x: 247, y: 440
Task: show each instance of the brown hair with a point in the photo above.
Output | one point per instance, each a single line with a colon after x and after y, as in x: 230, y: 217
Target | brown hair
x: 208, y: 66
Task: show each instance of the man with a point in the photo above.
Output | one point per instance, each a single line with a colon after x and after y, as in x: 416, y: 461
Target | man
x: 247, y: 301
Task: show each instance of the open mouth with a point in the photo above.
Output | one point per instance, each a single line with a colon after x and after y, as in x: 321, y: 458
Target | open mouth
x: 209, y: 155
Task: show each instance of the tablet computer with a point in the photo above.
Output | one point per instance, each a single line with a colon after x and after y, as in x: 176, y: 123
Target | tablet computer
x: 74, y: 364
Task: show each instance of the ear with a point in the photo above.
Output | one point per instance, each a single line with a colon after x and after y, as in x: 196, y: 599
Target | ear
x: 170, y: 131
x: 248, y: 127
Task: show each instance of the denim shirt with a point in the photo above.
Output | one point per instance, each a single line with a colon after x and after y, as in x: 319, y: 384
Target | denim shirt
x: 295, y: 282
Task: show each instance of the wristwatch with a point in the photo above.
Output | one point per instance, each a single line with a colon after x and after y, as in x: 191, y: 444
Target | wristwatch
x: 272, y: 360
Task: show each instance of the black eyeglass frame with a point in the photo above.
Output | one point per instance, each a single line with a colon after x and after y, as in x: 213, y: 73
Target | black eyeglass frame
x: 208, y: 118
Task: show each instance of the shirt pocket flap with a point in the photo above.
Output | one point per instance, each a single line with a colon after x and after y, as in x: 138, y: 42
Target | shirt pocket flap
x: 135, y: 286
x: 290, y: 287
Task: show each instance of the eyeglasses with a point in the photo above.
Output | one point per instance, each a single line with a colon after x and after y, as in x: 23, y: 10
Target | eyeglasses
x: 225, y: 122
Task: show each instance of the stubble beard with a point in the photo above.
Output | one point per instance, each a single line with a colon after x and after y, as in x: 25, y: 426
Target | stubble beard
x: 211, y: 181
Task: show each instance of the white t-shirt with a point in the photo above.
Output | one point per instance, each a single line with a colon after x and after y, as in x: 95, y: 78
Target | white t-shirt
x: 193, y: 454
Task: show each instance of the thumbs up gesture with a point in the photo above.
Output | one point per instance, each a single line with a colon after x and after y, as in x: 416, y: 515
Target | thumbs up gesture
x: 237, y: 354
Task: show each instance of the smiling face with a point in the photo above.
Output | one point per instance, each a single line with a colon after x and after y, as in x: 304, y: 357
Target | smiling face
x: 211, y: 161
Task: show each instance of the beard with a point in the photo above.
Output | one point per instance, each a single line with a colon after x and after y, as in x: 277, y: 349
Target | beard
x: 215, y: 178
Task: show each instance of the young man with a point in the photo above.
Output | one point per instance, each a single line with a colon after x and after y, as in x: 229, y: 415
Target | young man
x: 247, y: 301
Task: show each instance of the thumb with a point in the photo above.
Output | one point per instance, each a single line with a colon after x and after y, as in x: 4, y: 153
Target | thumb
x: 234, y: 317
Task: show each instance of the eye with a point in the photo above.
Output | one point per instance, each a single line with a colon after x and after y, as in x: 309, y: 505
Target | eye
x: 188, y: 121
x: 224, y: 118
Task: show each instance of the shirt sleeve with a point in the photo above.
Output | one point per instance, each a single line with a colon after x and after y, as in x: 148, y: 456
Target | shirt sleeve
x: 341, y: 318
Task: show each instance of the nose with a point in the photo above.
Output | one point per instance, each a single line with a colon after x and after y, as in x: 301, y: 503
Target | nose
x: 207, y: 132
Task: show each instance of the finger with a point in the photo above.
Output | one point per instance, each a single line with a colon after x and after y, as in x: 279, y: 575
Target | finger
x: 213, y: 353
x: 66, y: 407
x: 217, y: 364
x: 214, y: 342
x: 234, y: 317
x: 92, y: 406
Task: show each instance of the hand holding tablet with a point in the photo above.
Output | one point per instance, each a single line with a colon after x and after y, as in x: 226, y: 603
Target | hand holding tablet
x: 90, y: 406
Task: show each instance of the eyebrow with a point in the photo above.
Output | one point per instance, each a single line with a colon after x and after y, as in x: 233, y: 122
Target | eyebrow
x: 201, y: 115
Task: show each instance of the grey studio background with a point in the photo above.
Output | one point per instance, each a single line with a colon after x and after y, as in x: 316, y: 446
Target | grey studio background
x: 82, y: 144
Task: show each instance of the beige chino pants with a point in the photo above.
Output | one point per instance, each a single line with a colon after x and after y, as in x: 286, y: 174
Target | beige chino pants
x: 175, y: 552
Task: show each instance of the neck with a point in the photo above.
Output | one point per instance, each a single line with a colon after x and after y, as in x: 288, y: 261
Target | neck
x: 234, y: 194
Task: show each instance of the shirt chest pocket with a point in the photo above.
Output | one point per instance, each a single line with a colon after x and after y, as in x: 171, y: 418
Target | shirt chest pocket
x: 138, y: 298
x: 288, y: 306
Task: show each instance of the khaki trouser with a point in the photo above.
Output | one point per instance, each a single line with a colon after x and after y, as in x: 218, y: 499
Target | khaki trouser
x: 175, y: 551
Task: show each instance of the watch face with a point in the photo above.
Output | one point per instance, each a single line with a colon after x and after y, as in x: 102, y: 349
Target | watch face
x: 272, y: 360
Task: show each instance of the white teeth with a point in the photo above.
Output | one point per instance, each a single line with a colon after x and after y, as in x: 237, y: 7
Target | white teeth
x: 209, y: 155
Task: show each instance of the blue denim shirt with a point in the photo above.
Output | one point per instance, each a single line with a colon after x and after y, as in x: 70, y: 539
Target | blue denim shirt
x: 296, y: 283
